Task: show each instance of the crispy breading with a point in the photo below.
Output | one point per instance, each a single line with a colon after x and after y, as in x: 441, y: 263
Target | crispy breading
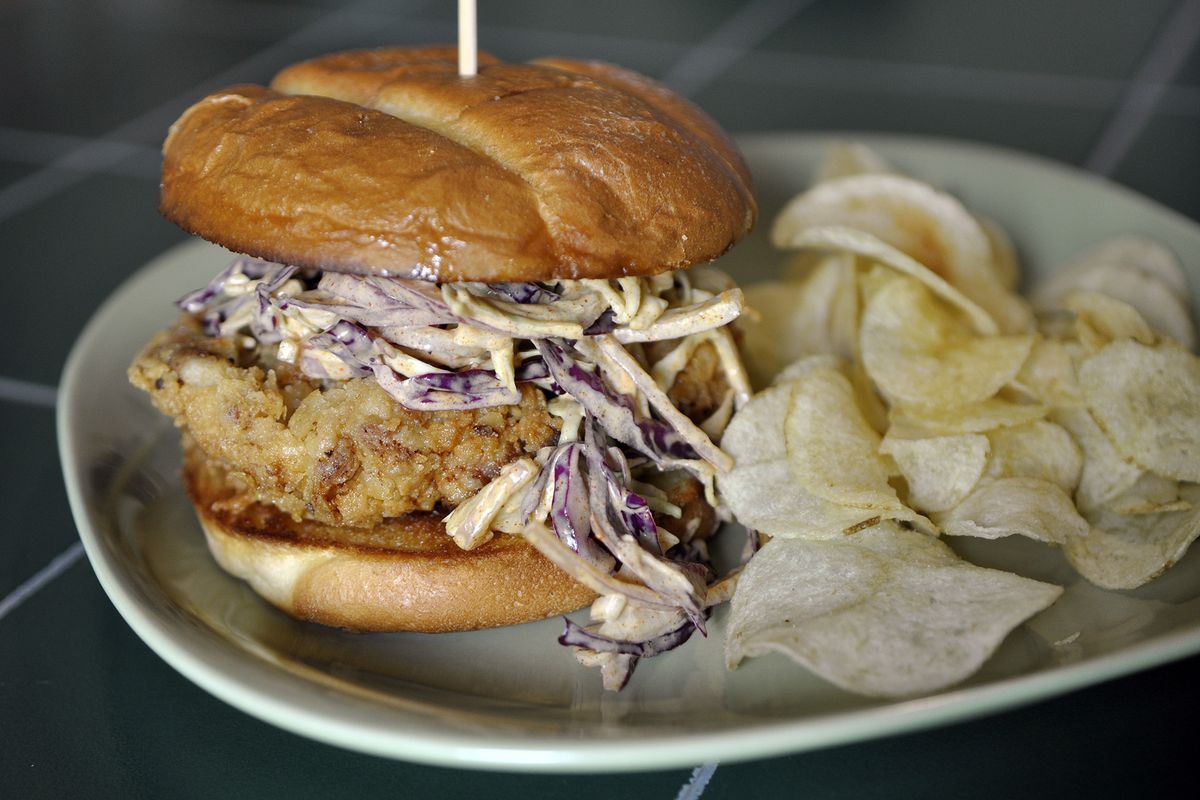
x: 347, y: 454
x: 697, y: 519
x: 700, y: 387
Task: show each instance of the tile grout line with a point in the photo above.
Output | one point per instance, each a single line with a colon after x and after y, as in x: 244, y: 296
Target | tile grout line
x: 1179, y: 36
x: 60, y: 564
x: 732, y: 39
x: 27, y: 392
x: 694, y: 788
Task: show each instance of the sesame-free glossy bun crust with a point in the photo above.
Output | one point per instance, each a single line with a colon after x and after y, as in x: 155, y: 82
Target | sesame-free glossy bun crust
x: 403, y: 575
x: 389, y: 162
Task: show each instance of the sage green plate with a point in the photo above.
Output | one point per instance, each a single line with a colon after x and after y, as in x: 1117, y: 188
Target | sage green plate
x: 513, y: 699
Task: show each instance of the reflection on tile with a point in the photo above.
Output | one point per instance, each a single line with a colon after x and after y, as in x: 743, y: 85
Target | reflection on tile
x: 38, y: 524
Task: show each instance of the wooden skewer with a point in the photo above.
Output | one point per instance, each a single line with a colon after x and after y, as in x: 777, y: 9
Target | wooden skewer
x: 467, y: 41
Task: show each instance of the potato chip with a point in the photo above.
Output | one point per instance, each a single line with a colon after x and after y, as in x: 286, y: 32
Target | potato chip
x: 799, y: 264
x: 1143, y: 257
x: 1056, y: 323
x: 843, y: 159
x: 1038, y: 449
x: 886, y: 613
x: 844, y: 311
x: 818, y: 315
x: 1152, y: 494
x: 1004, y: 256
x: 920, y: 354
x: 1147, y: 400
x: 940, y: 470
x: 1136, y: 253
x: 929, y: 226
x: 1161, y: 308
x: 1048, y: 375
x: 913, y: 423
x: 868, y: 399
x: 1126, y: 551
x: 1136, y: 271
x: 1012, y: 313
x: 1028, y: 507
x: 1104, y: 474
x: 802, y: 366
x: 770, y: 338
x: 942, y: 400
x: 761, y: 490
x: 865, y: 396
x: 1100, y: 319
x: 833, y: 452
x: 869, y: 402
x: 849, y: 240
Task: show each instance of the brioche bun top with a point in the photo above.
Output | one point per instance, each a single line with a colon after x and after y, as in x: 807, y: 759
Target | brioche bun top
x: 388, y: 162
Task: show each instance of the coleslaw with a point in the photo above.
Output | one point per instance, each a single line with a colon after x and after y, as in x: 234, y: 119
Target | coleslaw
x: 588, y: 502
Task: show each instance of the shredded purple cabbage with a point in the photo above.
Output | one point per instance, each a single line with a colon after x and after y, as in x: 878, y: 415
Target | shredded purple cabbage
x: 613, y: 410
x: 665, y: 440
x: 524, y: 293
x: 387, y: 302
x: 575, y: 635
x: 534, y: 370
x: 569, y: 507
x: 617, y: 513
x: 455, y: 391
x: 264, y: 319
x: 350, y: 343
x: 631, y: 510
x: 605, y: 323
x: 195, y: 302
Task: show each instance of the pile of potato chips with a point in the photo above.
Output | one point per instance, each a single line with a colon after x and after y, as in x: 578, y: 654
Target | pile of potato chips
x: 908, y: 391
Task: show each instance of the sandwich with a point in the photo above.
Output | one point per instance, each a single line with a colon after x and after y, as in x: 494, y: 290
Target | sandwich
x: 465, y: 370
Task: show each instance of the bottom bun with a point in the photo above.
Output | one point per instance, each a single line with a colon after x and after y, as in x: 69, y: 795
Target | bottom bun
x: 404, y: 575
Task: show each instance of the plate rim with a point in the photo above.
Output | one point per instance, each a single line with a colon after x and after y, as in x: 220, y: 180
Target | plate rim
x: 758, y: 739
